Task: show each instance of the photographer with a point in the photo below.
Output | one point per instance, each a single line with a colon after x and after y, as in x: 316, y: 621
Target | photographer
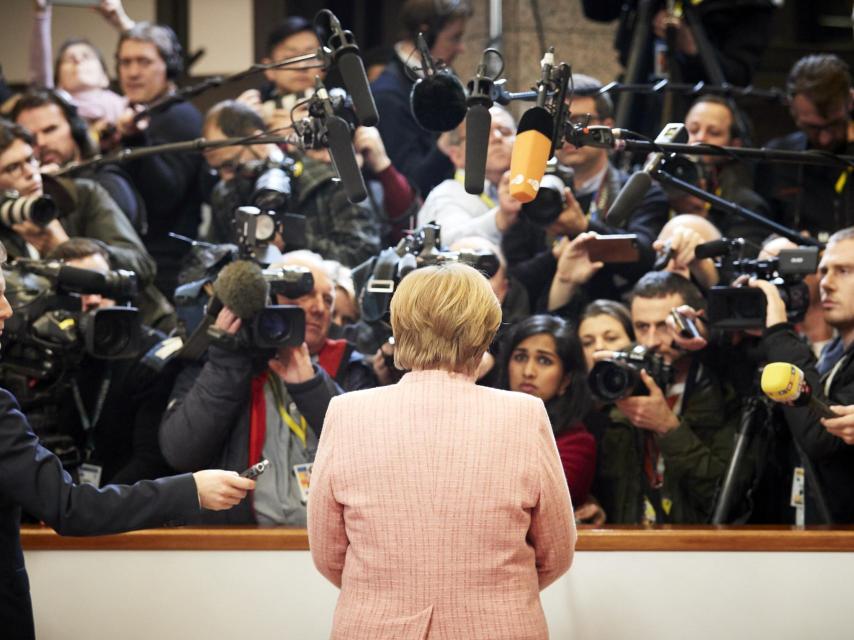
x: 832, y: 377
x: 663, y: 456
x: 334, y: 227
x: 585, y: 208
x: 240, y: 406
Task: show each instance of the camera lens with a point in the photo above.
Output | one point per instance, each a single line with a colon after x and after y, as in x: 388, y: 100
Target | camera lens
x: 611, y: 380
x: 273, y: 326
x: 111, y: 336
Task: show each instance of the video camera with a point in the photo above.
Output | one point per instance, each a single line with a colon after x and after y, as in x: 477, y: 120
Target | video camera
x: 734, y: 308
x: 619, y: 376
x: 50, y: 331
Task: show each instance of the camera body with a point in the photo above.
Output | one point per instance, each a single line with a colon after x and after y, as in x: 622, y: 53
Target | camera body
x: 735, y: 308
x: 550, y: 202
x: 265, y: 190
x: 619, y: 376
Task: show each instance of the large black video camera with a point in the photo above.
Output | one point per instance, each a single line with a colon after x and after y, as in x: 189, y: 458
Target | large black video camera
x: 50, y: 330
x: 619, y: 376
x: 734, y: 308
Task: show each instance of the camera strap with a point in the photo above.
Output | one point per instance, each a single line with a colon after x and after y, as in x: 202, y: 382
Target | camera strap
x: 86, y: 420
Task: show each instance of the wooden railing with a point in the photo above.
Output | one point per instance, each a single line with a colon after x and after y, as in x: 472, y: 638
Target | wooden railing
x: 627, y: 538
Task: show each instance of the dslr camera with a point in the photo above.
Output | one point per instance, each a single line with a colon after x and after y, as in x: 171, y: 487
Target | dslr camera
x: 15, y: 209
x: 550, y: 201
x: 735, y: 308
x: 619, y: 376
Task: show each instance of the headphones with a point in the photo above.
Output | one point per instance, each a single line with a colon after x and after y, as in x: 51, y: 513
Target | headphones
x: 443, y: 11
x: 79, y: 127
x: 164, y: 40
x: 175, y: 59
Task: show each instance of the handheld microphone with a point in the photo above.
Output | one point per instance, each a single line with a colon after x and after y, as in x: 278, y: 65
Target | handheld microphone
x: 531, y: 151
x: 345, y: 54
x: 635, y: 189
x: 438, y: 100
x: 786, y: 383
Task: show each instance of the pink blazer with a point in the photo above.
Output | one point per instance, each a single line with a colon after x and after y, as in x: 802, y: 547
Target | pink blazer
x: 440, y: 509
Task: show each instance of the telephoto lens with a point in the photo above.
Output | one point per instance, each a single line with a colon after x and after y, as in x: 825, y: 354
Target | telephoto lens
x: 40, y: 210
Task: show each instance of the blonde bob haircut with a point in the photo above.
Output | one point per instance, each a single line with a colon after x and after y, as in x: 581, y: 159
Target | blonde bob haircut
x: 443, y: 317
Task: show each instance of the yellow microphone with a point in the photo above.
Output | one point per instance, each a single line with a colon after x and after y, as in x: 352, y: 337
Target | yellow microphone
x: 784, y: 382
x: 531, y: 151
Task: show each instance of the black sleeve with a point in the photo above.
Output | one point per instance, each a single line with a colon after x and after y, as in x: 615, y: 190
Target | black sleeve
x: 32, y: 477
x: 601, y: 10
x: 205, y: 404
x: 312, y: 397
x: 124, y: 194
x: 782, y: 344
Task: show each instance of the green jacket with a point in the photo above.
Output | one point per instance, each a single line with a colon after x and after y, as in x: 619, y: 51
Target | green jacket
x: 695, y: 454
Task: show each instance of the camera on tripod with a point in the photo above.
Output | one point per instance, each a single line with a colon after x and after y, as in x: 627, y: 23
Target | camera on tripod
x: 619, y: 376
x: 735, y: 308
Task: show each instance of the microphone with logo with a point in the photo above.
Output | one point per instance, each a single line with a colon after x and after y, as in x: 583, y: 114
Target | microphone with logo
x: 784, y: 382
x: 531, y: 152
x: 438, y: 100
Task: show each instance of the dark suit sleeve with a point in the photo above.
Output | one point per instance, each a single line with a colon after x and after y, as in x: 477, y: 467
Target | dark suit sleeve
x: 32, y: 477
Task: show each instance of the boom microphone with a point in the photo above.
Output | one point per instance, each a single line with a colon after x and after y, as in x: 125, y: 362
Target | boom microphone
x: 478, y: 125
x: 438, y: 100
x: 531, y: 152
x: 340, y: 140
x: 345, y: 54
x: 716, y: 248
x: 784, y: 382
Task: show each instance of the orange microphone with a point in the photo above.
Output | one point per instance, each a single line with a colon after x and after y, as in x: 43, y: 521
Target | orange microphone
x: 531, y: 152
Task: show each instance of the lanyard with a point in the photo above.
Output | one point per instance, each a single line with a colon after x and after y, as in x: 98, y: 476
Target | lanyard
x: 842, y: 180
x: 600, y: 198
x: 299, y: 430
x: 89, y: 422
x: 459, y: 176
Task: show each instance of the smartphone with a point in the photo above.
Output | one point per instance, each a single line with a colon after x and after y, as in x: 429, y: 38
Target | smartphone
x: 616, y: 248
x: 256, y: 469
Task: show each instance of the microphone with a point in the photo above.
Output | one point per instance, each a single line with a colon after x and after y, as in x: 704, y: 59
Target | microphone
x: 478, y: 125
x: 438, y: 100
x: 786, y: 383
x: 345, y: 54
x: 241, y: 287
x: 340, y: 141
x: 531, y: 151
x: 635, y: 189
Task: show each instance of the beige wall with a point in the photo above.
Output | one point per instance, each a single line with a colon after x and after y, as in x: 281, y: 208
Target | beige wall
x: 223, y: 28
x: 16, y: 26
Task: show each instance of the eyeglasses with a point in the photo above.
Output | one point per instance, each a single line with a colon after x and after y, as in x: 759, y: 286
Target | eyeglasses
x: 16, y: 169
x: 833, y: 125
x: 584, y: 119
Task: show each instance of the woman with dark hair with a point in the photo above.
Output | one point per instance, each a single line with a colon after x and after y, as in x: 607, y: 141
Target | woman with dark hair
x: 542, y: 357
x: 605, y: 325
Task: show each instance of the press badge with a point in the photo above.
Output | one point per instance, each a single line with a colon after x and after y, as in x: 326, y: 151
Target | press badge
x: 89, y: 474
x: 303, y: 475
x: 797, y: 500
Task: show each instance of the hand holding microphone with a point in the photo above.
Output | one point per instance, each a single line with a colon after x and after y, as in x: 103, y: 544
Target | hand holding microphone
x: 786, y: 383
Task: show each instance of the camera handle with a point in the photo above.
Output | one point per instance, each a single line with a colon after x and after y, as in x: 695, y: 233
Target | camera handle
x: 730, y: 207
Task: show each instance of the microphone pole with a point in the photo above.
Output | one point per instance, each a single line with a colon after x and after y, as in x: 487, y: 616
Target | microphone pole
x: 167, y: 101
x: 199, y: 144
x: 730, y: 207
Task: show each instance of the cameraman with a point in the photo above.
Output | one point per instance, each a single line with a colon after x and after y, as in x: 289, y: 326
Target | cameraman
x: 334, y: 227
x: 665, y: 452
x: 238, y: 407
x: 832, y: 377
x: 111, y: 408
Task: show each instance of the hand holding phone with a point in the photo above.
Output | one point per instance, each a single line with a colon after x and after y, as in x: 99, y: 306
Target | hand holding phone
x: 614, y: 249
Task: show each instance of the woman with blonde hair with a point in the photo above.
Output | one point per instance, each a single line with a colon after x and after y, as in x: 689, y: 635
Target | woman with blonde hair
x: 437, y: 506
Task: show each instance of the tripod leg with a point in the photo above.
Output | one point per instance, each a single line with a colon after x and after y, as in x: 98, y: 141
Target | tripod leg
x: 745, y: 434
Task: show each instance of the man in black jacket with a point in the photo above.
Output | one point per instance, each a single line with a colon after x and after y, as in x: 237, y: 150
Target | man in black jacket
x: 171, y: 184
x: 32, y: 477
x: 239, y: 407
x: 829, y: 459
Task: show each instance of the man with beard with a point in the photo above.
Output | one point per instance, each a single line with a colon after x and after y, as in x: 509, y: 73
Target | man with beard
x: 816, y: 198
